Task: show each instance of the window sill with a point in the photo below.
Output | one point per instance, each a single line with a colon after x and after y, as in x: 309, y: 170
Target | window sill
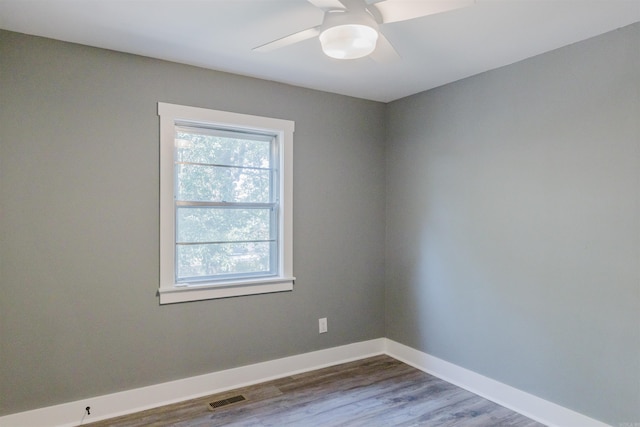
x: 186, y: 293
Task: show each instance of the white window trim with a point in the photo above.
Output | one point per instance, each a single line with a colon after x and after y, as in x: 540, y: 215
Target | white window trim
x: 169, y: 291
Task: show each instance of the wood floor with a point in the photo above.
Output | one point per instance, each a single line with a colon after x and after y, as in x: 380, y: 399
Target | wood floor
x: 374, y: 392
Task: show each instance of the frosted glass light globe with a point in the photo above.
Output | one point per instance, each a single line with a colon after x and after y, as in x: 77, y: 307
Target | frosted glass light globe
x: 349, y: 41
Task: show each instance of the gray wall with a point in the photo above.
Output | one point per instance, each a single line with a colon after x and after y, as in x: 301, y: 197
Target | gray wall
x: 513, y: 225
x: 79, y: 271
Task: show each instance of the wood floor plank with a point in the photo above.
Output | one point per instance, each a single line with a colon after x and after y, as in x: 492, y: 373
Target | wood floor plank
x: 378, y: 391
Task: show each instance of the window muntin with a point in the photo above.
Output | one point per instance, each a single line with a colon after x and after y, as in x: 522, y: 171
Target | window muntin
x: 202, y: 188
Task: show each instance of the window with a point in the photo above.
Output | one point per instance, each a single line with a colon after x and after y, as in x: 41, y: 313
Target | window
x: 225, y: 204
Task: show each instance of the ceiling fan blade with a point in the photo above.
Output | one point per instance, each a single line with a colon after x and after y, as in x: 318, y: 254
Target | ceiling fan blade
x: 403, y: 10
x: 288, y: 40
x: 384, y: 52
x: 327, y: 4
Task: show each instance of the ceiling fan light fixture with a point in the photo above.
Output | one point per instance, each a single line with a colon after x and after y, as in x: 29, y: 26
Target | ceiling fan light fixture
x: 348, y: 41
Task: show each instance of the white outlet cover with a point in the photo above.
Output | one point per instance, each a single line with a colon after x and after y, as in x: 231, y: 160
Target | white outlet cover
x: 322, y: 325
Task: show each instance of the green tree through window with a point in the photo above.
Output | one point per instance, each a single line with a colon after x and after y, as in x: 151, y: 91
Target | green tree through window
x: 225, y: 204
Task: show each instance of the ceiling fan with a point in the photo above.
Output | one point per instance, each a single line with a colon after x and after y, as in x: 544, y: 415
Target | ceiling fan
x: 352, y: 28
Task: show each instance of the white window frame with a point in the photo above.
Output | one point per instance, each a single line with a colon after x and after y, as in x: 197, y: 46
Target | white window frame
x: 172, y: 292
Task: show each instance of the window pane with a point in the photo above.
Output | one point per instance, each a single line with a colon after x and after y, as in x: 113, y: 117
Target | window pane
x: 221, y: 224
x: 217, y: 184
x: 202, y: 146
x: 211, y: 260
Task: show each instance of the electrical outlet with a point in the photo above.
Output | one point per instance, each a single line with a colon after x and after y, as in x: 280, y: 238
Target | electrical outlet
x: 322, y: 325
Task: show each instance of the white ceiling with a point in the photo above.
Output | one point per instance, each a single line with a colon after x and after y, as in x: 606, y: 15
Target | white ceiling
x: 219, y: 34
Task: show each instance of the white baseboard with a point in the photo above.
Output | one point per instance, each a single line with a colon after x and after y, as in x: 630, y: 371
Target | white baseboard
x: 140, y: 399
x: 130, y: 401
x: 531, y: 406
